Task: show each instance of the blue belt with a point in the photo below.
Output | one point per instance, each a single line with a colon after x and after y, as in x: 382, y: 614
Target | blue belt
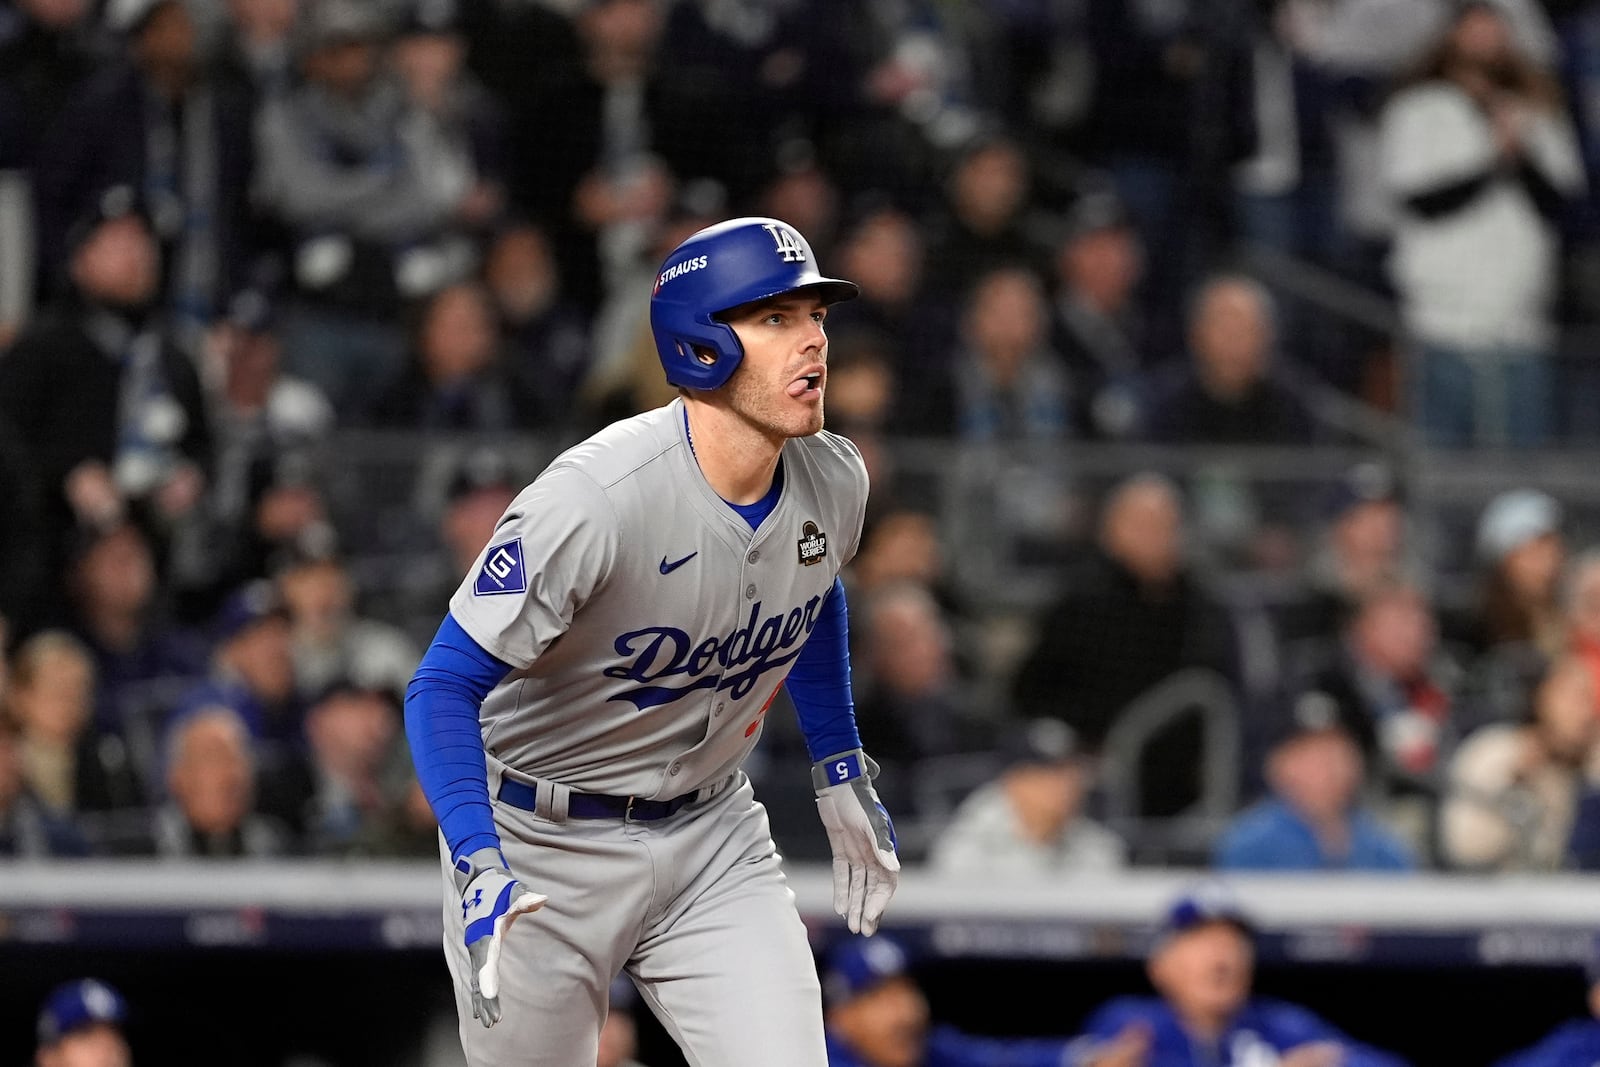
x: 596, y: 805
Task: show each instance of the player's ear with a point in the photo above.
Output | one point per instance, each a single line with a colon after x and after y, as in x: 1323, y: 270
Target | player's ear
x: 704, y: 355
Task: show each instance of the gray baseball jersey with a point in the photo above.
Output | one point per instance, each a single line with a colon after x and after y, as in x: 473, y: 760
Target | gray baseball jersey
x: 647, y: 627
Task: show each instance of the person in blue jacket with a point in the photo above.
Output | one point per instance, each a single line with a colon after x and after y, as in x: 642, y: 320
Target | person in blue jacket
x: 1314, y: 818
x: 1572, y: 1044
x: 876, y: 1016
x: 1202, y: 966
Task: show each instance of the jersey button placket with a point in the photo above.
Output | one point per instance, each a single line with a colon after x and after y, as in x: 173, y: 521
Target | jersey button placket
x: 750, y: 591
x: 754, y: 556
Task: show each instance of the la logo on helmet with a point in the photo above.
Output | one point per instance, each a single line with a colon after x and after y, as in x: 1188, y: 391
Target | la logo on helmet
x: 788, y: 242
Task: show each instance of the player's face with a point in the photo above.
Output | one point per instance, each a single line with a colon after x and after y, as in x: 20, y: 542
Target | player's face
x: 778, y: 385
x: 99, y: 1045
x: 887, y: 1025
x: 1205, y: 973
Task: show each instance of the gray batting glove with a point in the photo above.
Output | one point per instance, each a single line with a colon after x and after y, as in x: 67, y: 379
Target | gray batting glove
x: 491, y: 900
x: 861, y: 835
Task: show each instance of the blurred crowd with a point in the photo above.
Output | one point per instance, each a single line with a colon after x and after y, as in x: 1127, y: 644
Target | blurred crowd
x: 250, y: 248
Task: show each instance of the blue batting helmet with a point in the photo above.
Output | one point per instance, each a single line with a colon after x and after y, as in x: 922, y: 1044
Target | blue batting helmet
x: 721, y: 267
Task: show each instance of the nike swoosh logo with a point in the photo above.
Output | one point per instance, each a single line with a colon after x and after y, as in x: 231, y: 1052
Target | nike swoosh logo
x: 668, y: 568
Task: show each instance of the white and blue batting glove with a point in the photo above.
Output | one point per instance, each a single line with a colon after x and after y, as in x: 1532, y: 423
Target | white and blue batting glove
x: 865, y: 867
x: 491, y: 900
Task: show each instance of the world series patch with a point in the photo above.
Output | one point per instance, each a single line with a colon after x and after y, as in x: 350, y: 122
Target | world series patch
x: 502, y: 571
x: 813, y: 544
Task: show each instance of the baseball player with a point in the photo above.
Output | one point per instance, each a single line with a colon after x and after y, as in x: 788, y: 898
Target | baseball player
x: 580, y: 719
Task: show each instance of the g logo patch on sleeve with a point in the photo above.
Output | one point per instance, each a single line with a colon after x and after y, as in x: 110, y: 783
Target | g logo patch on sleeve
x: 502, y: 571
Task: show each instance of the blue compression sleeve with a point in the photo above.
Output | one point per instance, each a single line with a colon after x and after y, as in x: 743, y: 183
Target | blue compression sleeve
x: 442, y: 705
x: 819, y: 682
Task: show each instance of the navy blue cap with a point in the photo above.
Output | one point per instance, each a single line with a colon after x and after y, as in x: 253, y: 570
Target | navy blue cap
x: 253, y: 603
x: 108, y: 205
x: 1365, y: 483
x: 1201, y: 906
x: 1040, y: 742
x: 75, y: 1005
x: 482, y: 468
x: 857, y: 964
x: 1312, y: 712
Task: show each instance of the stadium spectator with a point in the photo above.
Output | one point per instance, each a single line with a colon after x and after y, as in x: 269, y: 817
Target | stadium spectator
x: 862, y: 391
x: 1314, y: 819
x: 363, y: 188
x: 80, y: 1025
x: 1202, y: 966
x: 1362, y: 547
x: 429, y: 55
x: 1229, y: 393
x: 161, y: 126
x: 1522, y: 551
x: 252, y: 666
x: 544, y: 336
x: 904, y: 544
x: 1169, y: 114
x: 264, y: 418
x: 986, y: 223
x: 1003, y: 383
x: 1480, y: 151
x: 211, y: 778
x: 877, y: 1016
x: 1572, y: 1044
x: 256, y: 53
x: 456, y: 379
x: 328, y: 640
x: 593, y: 167
x: 1581, y: 594
x: 912, y: 698
x: 110, y: 415
x: 1285, y: 192
x: 800, y: 192
x: 1133, y: 614
x: 1096, y: 324
x: 28, y: 828
x: 1513, y: 789
x: 1030, y: 821
x: 350, y: 733
x: 117, y: 616
x: 481, y: 488
x: 45, y: 54
x: 883, y: 253
x: 1396, y: 692
x: 71, y: 767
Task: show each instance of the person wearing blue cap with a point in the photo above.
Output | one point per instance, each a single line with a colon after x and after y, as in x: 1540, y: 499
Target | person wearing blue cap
x: 80, y: 1025
x: 1202, y: 965
x: 1575, y: 1043
x: 877, y: 1016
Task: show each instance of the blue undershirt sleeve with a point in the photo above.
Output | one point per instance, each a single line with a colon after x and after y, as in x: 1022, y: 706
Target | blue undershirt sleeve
x: 819, y: 682
x: 442, y: 704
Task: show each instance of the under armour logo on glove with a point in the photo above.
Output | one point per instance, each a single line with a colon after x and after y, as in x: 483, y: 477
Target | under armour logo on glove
x: 491, y: 900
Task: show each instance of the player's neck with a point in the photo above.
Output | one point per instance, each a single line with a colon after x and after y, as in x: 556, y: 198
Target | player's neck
x: 737, y: 459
